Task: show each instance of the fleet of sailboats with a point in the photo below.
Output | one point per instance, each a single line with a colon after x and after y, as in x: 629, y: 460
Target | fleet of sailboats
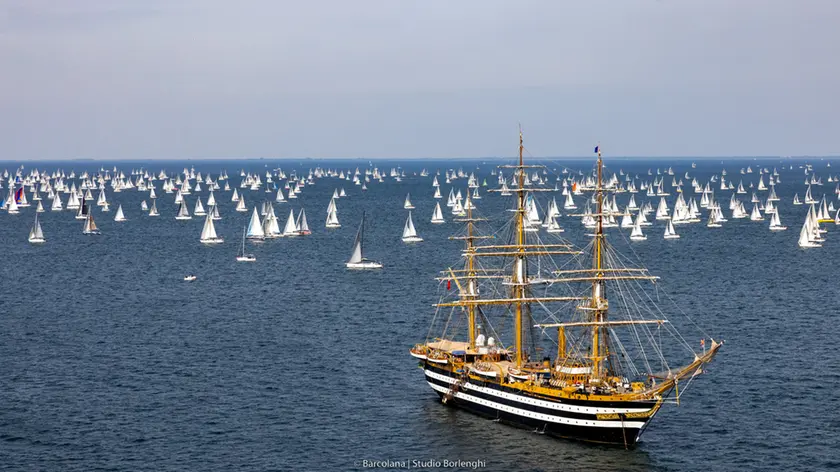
x: 668, y: 200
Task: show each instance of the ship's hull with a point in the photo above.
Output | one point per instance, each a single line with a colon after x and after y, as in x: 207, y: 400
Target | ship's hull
x: 618, y: 423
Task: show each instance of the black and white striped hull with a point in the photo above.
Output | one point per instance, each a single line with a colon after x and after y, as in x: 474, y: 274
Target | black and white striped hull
x: 619, y: 423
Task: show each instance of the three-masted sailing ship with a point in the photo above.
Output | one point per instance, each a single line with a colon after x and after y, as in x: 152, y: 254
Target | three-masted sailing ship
x: 513, y: 305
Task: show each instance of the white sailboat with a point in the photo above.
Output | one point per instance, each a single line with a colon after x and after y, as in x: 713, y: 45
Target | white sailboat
x: 153, y: 211
x: 357, y: 258
x: 553, y: 225
x: 240, y: 204
x: 302, y: 225
x: 409, y: 232
x: 670, y: 233
x: 183, y: 211
x: 199, y: 208
x: 56, y: 203
x: 776, y: 223
x: 806, y: 235
x: 36, y: 234
x: 437, y: 216
x: 144, y: 206
x: 208, y: 232
x: 120, y: 216
x: 332, y: 215
x: 407, y: 205
x: 291, y: 228
x: 11, y: 205
x: 255, y: 228
x: 636, y: 234
x: 242, y: 257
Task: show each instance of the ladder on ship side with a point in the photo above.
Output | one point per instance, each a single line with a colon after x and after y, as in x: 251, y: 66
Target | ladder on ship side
x: 454, y: 389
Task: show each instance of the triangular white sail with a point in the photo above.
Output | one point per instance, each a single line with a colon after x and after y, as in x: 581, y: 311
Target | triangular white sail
x: 120, y: 216
x: 208, y: 232
x: 291, y: 228
x: 437, y: 216
x: 255, y: 228
x: 409, y: 232
x: 36, y: 234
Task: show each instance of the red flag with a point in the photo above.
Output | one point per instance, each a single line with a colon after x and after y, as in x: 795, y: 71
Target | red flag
x: 448, y: 284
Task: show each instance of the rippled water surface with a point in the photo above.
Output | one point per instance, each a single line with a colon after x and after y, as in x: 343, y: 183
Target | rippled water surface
x: 109, y: 361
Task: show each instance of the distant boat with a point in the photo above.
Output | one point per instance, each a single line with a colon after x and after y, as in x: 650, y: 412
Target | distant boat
x: 240, y: 205
x: 637, y: 234
x: 357, y: 259
x: 153, y: 211
x: 242, y: 257
x: 56, y: 203
x: 255, y: 228
x: 332, y: 215
x: 302, y: 225
x: 407, y: 205
x: 90, y: 225
x: 199, y: 208
x: 776, y: 223
x: 144, y: 206
x: 183, y: 211
x: 40, y: 207
x: 189, y: 278
x: 291, y: 229
x: 120, y: 216
x: 36, y: 235
x: 409, y: 232
x: 437, y: 216
x: 670, y: 233
x: 208, y: 232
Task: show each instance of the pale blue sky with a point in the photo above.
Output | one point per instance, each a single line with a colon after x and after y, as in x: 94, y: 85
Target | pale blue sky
x: 120, y: 79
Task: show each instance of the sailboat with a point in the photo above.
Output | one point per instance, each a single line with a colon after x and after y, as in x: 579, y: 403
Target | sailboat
x: 437, y: 216
x: 409, y: 233
x: 302, y: 225
x: 36, y: 234
x: 153, y: 211
x: 490, y: 345
x: 776, y: 223
x: 242, y: 257
x: 255, y: 227
x: 637, y: 234
x: 670, y: 233
x: 407, y: 205
x: 291, y: 229
x: 332, y: 215
x: 208, y: 232
x: 183, y: 211
x: 120, y: 216
x: 199, y: 208
x: 90, y: 225
x: 357, y: 258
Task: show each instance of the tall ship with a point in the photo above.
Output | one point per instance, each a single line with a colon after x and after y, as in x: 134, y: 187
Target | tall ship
x: 562, y: 340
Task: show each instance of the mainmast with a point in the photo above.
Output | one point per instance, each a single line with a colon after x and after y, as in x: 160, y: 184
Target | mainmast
x: 599, y: 301
x: 519, y: 276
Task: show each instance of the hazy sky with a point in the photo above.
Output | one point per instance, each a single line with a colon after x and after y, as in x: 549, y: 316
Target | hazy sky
x: 120, y: 79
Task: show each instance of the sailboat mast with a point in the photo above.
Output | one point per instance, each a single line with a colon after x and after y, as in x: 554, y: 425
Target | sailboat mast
x: 471, y: 284
x: 598, y: 295
x: 518, y: 278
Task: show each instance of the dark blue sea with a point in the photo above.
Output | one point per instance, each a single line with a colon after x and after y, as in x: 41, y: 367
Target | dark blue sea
x: 110, y: 361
